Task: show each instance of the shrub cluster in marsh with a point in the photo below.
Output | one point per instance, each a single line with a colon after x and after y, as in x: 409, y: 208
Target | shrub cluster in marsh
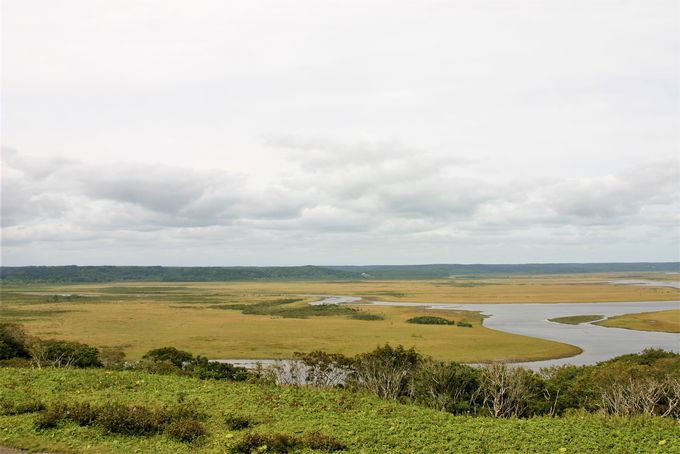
x: 430, y: 320
x: 284, y: 308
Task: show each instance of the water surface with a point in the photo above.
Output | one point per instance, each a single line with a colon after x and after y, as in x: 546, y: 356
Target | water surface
x: 598, y: 343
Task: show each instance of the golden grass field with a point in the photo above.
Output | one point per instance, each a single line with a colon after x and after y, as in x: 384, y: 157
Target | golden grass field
x: 142, y: 316
x: 666, y: 321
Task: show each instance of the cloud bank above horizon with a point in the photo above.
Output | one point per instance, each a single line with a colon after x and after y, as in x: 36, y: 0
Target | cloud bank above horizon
x: 287, y: 133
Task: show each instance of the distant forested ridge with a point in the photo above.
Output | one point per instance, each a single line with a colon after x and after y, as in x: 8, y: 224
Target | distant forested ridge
x: 85, y: 274
x: 447, y: 270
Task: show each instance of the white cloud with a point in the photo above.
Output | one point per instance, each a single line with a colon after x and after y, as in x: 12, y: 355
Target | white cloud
x: 376, y: 131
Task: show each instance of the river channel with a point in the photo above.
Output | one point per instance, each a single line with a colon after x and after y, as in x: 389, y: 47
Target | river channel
x: 598, y: 343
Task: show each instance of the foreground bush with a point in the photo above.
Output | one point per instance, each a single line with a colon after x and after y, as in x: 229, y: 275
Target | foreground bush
x: 14, y: 342
x: 180, y: 423
x: 237, y: 422
x: 210, y: 370
x: 10, y: 407
x: 170, y: 354
x: 60, y: 353
x: 386, y: 371
x: 451, y: 387
x: 282, y: 443
x: 324, y: 369
x: 507, y: 391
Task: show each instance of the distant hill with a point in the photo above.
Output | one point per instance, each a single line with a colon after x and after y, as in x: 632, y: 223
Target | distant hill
x: 447, y: 270
x: 85, y: 274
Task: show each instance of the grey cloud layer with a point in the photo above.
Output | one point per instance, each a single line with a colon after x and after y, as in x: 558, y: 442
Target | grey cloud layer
x: 355, y: 193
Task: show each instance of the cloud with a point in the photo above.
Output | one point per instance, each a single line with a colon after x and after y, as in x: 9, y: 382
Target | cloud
x: 388, y: 198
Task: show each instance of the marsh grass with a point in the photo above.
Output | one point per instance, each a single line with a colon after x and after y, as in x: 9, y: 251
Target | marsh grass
x: 144, y: 316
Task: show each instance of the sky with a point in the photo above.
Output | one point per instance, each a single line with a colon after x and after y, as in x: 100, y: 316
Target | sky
x: 138, y: 132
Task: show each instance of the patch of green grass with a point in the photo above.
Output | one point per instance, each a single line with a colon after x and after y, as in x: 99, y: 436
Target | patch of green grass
x: 361, y: 422
x: 576, y: 319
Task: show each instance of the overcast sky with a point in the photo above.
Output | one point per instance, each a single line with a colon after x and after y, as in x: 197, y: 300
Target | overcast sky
x: 339, y: 132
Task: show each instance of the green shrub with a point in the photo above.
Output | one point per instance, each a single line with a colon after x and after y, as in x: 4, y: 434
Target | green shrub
x: 282, y: 443
x: 428, y: 320
x: 60, y: 353
x: 112, y: 358
x: 322, y: 442
x: 204, y: 369
x: 445, y: 386
x: 177, y: 357
x: 276, y: 443
x: 49, y: 418
x: 135, y: 420
x: 9, y: 407
x: 237, y: 422
x: 182, y: 423
x: 13, y: 341
x: 157, y: 367
x: 464, y: 324
x: 22, y: 363
x: 186, y: 430
x: 82, y: 413
x: 386, y: 371
x: 324, y: 369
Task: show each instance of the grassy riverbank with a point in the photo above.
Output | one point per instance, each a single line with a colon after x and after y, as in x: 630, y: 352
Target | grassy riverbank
x: 665, y: 321
x: 360, y: 421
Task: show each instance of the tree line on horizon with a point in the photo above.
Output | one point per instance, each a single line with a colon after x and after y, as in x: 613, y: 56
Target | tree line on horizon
x: 96, y: 274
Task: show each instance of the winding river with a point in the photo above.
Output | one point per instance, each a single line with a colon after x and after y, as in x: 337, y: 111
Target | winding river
x: 598, y: 343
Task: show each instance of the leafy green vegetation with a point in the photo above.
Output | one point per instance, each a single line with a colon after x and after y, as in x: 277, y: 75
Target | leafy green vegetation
x: 357, y: 420
x: 576, y: 319
x: 158, y: 404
